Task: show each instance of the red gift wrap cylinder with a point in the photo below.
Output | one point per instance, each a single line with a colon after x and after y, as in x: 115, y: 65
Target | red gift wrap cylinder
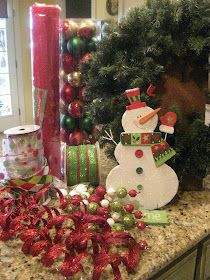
x: 45, y: 67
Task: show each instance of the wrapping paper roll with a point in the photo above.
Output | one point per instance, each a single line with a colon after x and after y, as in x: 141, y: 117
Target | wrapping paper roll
x: 23, y: 153
x: 82, y: 164
x: 45, y: 66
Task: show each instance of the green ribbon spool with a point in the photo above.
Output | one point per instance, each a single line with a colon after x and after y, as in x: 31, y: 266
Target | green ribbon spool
x: 82, y: 164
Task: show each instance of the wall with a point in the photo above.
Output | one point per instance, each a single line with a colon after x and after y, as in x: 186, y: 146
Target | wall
x: 100, y: 10
x: 125, y: 5
x: 23, y: 6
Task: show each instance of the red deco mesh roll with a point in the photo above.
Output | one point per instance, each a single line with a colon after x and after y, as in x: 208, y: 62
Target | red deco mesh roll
x: 45, y: 67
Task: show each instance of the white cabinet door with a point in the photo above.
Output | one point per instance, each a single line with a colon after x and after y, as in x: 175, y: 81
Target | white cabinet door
x: 183, y: 270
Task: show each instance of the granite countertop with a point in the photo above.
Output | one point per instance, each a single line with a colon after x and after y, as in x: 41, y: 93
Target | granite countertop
x: 189, y: 216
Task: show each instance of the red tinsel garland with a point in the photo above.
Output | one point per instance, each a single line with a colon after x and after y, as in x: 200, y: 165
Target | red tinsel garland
x: 26, y: 218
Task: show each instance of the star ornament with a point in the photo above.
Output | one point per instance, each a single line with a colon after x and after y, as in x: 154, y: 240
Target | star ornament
x: 146, y: 138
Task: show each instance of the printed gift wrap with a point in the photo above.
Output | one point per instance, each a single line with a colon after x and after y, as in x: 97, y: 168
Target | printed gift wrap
x: 22, y: 152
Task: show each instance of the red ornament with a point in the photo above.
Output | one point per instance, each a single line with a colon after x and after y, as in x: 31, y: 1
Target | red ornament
x: 69, y: 29
x: 132, y: 193
x: 96, y: 133
x: 79, y: 214
x: 76, y: 109
x: 143, y: 245
x: 86, y: 57
x: 64, y: 26
x: 140, y: 225
x: 64, y: 135
x: 91, y: 139
x: 101, y: 191
x: 75, y: 200
x: 129, y: 207
x: 102, y: 211
x: 68, y: 63
x: 67, y: 93
x: 85, y: 32
x: 138, y: 214
x: 94, y: 198
x: 77, y: 137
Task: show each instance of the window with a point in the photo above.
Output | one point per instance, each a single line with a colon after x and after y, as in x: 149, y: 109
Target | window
x: 5, y: 93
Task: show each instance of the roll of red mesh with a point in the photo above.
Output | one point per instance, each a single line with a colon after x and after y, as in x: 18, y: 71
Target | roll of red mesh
x: 45, y: 67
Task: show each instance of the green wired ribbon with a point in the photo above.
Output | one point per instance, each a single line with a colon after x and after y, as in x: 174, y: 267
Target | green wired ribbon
x: 82, y: 164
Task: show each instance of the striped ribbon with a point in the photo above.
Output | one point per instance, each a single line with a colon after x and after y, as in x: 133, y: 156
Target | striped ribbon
x: 82, y: 164
x: 134, y: 98
x: 39, y: 97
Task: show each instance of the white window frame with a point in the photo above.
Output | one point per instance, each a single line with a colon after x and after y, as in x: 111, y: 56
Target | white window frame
x: 18, y: 55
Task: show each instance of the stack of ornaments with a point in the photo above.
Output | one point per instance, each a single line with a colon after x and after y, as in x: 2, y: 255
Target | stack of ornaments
x: 77, y: 44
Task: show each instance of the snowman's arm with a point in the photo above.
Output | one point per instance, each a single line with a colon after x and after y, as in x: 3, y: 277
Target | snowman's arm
x: 118, y: 152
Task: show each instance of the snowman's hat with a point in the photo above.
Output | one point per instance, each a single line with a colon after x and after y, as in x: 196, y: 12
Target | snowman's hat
x: 134, y: 98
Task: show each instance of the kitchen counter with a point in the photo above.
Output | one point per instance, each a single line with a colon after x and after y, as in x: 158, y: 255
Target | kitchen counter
x: 189, y: 217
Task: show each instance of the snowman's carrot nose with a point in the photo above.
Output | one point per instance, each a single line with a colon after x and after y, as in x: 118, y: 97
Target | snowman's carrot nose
x: 149, y: 116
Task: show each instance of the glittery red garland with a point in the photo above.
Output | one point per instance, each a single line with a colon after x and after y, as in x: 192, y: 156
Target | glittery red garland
x: 26, y: 218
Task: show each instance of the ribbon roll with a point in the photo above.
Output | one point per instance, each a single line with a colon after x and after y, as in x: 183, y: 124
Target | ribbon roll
x: 82, y: 164
x: 22, y: 152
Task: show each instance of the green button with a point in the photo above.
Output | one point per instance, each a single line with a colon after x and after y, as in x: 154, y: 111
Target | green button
x: 139, y: 170
x: 139, y: 187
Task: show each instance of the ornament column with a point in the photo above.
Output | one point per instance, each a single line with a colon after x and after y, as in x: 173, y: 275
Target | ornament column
x: 82, y: 155
x: 77, y: 44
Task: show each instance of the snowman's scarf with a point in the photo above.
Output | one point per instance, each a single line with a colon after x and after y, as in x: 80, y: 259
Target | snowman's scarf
x: 160, y: 149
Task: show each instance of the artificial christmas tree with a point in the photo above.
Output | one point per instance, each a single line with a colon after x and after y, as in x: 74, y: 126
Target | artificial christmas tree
x: 163, y: 44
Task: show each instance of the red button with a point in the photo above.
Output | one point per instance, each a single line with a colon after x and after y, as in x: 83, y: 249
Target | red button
x: 139, y: 153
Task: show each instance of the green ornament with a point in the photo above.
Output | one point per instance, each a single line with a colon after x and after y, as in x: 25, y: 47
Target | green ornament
x: 128, y: 220
x: 76, y: 46
x: 91, y: 190
x: 118, y: 227
x: 68, y: 123
x: 86, y: 124
x: 121, y: 192
x: 70, y: 209
x: 91, y: 45
x: 139, y: 170
x: 93, y: 228
x: 139, y: 187
x: 116, y: 206
x: 92, y: 207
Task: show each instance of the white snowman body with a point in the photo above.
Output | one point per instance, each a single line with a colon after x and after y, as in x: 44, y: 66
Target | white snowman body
x: 160, y: 184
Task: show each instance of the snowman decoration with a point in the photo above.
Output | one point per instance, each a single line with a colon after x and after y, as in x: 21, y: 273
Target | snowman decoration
x: 142, y: 154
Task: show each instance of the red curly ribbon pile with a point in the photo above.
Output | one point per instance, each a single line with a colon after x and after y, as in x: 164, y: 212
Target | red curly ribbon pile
x: 26, y: 218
